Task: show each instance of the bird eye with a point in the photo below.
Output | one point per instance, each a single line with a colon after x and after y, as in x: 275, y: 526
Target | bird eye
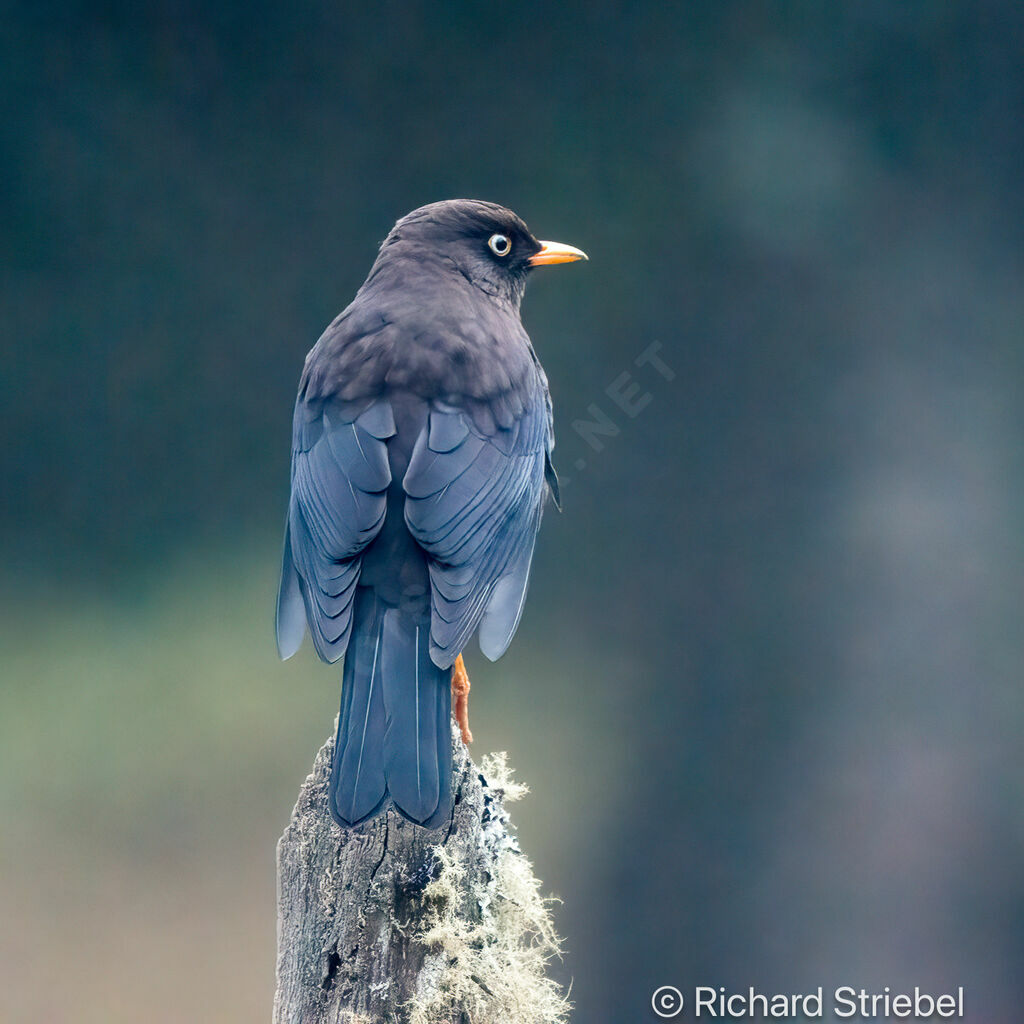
x: 499, y: 244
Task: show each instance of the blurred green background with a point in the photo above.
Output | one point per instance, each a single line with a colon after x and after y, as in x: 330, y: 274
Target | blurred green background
x: 767, y: 690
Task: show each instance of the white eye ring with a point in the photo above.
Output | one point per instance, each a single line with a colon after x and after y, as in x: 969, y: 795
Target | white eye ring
x: 500, y: 245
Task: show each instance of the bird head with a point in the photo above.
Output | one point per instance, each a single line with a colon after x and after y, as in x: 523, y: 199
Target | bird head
x: 487, y: 244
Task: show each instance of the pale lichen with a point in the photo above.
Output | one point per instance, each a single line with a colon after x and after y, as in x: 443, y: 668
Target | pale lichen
x: 491, y: 936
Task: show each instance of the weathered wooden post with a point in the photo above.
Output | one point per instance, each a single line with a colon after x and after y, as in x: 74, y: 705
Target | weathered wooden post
x: 394, y: 923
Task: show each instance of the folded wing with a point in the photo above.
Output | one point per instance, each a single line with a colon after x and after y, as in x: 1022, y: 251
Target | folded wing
x: 340, y: 476
x: 474, y: 502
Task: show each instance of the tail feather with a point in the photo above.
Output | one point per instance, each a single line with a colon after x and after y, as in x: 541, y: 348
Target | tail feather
x: 418, y: 741
x: 358, y: 786
x: 394, y: 729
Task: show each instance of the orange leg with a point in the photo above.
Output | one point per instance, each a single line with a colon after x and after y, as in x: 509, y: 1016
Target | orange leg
x: 460, y: 698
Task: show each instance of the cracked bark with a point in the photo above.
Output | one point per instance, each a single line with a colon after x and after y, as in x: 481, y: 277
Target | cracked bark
x: 352, y: 904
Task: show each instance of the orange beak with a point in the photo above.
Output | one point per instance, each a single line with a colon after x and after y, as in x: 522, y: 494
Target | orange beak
x: 556, y: 252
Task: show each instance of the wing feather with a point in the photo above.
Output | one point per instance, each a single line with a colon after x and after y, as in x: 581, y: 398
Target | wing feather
x: 340, y: 475
x: 475, y: 489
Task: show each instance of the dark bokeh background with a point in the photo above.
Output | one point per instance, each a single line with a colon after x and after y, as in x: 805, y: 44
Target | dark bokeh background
x: 768, y: 686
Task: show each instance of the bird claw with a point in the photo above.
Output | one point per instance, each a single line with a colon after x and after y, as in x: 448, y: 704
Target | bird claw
x: 460, y: 699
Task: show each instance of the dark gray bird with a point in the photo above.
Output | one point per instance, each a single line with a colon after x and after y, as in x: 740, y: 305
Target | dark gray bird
x: 421, y: 454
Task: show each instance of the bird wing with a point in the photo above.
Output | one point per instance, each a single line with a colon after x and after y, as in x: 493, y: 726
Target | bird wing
x: 474, y: 497
x: 340, y: 476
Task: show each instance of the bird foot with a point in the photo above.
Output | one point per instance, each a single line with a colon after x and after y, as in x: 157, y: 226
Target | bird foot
x: 460, y: 699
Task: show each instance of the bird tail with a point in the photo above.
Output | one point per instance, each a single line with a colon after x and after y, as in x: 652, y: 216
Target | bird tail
x: 394, y: 729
